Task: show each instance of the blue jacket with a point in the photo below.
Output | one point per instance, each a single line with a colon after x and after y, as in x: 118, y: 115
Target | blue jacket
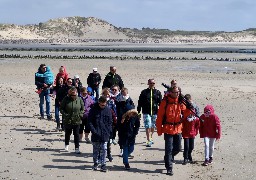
x: 100, y: 123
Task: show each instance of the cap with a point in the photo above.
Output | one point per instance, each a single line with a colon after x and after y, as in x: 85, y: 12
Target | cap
x: 76, y: 77
x: 94, y: 69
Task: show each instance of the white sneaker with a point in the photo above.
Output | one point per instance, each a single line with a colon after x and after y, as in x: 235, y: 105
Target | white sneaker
x: 121, y: 153
x: 77, y: 151
x: 66, y: 147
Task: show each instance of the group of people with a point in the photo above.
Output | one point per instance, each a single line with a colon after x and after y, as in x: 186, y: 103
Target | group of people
x: 113, y: 112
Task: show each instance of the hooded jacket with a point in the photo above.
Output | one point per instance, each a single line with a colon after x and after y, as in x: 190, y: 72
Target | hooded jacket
x: 190, y: 124
x: 64, y: 75
x: 72, y: 110
x: 100, y: 123
x: 112, y: 79
x: 47, y: 76
x: 210, y: 126
x: 169, y: 116
x: 88, y: 103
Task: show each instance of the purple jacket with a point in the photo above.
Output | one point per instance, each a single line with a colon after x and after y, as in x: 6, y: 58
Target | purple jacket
x: 88, y: 102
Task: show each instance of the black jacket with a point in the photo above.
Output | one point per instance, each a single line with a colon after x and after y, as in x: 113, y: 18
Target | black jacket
x: 93, y: 79
x: 122, y: 107
x: 39, y: 81
x: 63, y: 92
x: 100, y: 123
x: 144, y: 101
x: 112, y: 79
x: 128, y: 131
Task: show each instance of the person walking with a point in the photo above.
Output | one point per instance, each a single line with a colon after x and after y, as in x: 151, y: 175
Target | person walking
x: 169, y: 122
x: 43, y: 85
x: 72, y: 110
x: 100, y: 123
x: 93, y: 81
x: 149, y: 101
x: 210, y: 130
x: 112, y: 78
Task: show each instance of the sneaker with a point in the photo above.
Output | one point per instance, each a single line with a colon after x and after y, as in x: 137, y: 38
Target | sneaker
x: 42, y: 117
x: 127, y: 166
x: 151, y: 140
x: 66, y: 147
x: 121, y: 153
x: 87, y: 140
x: 77, y: 151
x: 114, y: 142
x: 206, y: 163
x: 210, y: 160
x: 95, y: 166
x: 169, y: 172
x: 110, y: 158
x: 103, y: 168
x: 185, y: 162
x: 149, y: 144
x: 49, y: 118
x: 39, y: 91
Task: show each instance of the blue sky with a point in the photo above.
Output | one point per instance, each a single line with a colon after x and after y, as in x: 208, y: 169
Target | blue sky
x: 211, y: 15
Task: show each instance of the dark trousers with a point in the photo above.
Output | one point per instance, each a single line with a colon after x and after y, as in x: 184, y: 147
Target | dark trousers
x: 84, y: 126
x: 188, y: 147
x: 68, y: 131
x: 114, y: 132
x: 172, y: 148
x: 108, y: 148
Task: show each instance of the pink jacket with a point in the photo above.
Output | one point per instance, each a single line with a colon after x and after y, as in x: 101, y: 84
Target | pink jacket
x: 210, y: 126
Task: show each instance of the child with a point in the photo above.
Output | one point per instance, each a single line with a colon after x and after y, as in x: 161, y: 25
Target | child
x: 210, y: 130
x: 90, y: 92
x: 128, y: 129
x: 190, y: 126
x: 62, y: 74
x: 48, y: 78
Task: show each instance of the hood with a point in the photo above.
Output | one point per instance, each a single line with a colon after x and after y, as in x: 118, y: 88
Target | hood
x: 209, y: 108
x: 89, y: 89
x: 48, y: 69
x: 64, y: 68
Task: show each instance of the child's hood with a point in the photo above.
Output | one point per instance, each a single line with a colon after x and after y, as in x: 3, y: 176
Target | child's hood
x: 209, y: 108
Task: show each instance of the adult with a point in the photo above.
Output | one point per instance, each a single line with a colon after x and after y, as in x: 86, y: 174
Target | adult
x: 88, y: 103
x: 72, y: 109
x: 77, y: 83
x: 100, y: 122
x: 112, y: 79
x: 149, y: 100
x: 40, y: 82
x: 169, y: 122
x: 93, y: 81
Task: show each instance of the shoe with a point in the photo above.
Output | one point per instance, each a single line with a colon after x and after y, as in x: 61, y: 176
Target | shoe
x: 103, y: 168
x: 42, y: 117
x: 114, y: 142
x: 110, y: 158
x: 77, y: 151
x: 95, y: 166
x: 206, y: 163
x: 87, y: 140
x: 131, y: 156
x: 49, y: 118
x: 39, y: 91
x: 66, y: 147
x: 121, y: 153
x: 151, y: 140
x: 149, y: 144
x: 127, y: 166
x: 185, y: 162
x: 169, y: 172
x: 210, y: 160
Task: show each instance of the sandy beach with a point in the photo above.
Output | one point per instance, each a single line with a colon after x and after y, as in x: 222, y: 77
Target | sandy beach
x: 32, y: 149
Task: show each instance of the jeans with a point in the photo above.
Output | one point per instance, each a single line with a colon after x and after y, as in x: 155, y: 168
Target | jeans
x: 172, y: 148
x: 188, y: 147
x: 97, y: 91
x: 45, y: 95
x: 57, y: 112
x: 127, y: 150
x: 208, y: 147
x: 68, y: 131
x: 99, y: 152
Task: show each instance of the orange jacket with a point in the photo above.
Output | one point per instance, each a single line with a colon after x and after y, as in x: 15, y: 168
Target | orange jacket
x: 172, y: 113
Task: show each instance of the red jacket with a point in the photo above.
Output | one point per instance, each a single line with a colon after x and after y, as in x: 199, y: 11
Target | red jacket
x: 170, y: 111
x: 210, y: 126
x: 189, y: 128
x: 64, y: 75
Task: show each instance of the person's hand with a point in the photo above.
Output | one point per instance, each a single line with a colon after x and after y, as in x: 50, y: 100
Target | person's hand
x: 45, y: 85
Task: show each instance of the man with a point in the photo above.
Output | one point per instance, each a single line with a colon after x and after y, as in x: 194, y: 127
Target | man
x: 169, y: 122
x: 149, y: 100
x: 93, y: 81
x: 112, y: 79
x: 72, y: 110
x: 45, y: 93
x: 100, y: 123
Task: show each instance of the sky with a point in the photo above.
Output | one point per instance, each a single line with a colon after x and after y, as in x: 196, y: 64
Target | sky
x: 187, y: 15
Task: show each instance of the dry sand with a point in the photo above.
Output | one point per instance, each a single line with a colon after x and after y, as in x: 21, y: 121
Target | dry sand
x: 31, y: 148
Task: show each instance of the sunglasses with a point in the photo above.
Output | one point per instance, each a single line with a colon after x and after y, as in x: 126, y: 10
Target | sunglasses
x: 114, y: 89
x: 69, y: 81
